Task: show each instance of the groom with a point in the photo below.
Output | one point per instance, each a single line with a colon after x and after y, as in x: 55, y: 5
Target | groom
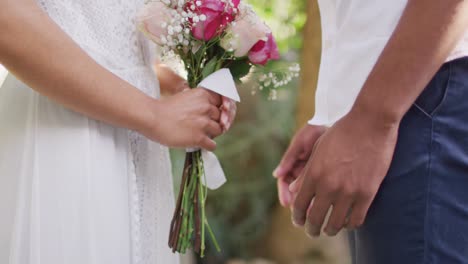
x: 387, y: 151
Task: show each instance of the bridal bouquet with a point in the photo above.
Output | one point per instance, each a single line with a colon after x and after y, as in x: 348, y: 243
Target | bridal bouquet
x: 218, y: 42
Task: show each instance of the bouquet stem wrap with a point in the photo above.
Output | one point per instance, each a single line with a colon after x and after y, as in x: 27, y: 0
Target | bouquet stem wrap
x: 202, y: 170
x: 189, y: 221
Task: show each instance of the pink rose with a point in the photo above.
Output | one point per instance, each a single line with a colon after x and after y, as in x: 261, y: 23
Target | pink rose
x: 212, y: 17
x: 246, y: 30
x: 264, y: 51
x: 152, y: 20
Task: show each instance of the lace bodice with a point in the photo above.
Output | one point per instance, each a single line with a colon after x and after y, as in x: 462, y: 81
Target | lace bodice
x: 106, y: 30
x: 103, y: 28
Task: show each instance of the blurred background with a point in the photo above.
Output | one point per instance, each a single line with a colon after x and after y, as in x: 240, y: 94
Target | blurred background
x: 248, y: 221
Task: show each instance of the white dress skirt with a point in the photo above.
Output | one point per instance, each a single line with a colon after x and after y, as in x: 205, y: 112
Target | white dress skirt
x: 74, y: 190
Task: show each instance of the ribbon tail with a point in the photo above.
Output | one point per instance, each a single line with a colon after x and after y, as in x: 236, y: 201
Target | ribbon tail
x: 214, y: 173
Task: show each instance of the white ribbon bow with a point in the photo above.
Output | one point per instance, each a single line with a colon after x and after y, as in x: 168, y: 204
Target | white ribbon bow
x: 222, y: 83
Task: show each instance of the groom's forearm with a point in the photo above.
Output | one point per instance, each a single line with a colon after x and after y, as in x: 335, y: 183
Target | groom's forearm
x: 426, y: 34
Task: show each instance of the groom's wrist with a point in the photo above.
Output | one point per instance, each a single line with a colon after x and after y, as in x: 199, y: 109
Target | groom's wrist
x: 376, y: 114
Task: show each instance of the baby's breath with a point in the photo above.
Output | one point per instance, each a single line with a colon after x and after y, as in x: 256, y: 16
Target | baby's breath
x: 272, y: 81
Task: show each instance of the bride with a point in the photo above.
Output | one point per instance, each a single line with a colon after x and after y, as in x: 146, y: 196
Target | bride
x: 81, y: 177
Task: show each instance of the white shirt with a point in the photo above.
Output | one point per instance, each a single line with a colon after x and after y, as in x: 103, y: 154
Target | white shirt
x: 354, y: 33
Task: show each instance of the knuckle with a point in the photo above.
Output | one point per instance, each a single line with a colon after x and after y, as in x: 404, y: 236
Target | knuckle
x: 331, y: 188
x: 206, y: 108
x: 215, y: 110
x: 364, y: 194
x: 348, y: 191
x: 205, y: 123
x: 312, y: 176
x: 201, y: 92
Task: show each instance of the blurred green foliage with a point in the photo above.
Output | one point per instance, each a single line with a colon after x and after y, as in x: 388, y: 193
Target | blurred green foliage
x: 240, y: 211
x: 286, y: 19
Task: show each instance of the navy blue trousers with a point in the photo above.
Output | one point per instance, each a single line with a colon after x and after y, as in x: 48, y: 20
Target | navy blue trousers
x: 420, y: 214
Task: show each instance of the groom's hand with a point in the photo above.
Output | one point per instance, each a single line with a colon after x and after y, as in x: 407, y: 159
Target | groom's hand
x: 294, y: 160
x: 344, y: 173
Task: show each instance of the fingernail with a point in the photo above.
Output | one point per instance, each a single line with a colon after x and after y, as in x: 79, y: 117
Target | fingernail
x: 277, y: 172
x: 295, y: 224
x: 312, y: 230
x: 224, y: 118
x: 228, y: 125
x: 297, y: 218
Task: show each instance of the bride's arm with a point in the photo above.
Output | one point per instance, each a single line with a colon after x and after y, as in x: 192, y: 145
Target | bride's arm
x: 35, y: 50
x: 39, y: 53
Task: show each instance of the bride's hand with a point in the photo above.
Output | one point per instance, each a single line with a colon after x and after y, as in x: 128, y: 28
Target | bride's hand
x: 187, y: 119
x: 171, y: 83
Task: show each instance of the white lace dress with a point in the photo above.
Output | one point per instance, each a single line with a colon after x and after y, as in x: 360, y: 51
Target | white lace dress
x: 74, y: 190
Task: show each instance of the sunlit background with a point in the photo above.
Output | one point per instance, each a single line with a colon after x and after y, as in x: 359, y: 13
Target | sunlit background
x: 245, y: 214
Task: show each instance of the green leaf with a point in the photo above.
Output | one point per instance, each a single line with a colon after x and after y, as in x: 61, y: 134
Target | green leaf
x: 239, y: 68
x: 210, y: 67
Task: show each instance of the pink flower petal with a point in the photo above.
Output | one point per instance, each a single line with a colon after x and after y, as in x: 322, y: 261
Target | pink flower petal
x: 217, y: 18
x: 264, y: 51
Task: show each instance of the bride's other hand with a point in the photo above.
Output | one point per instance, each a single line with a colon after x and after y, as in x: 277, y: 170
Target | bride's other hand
x: 170, y: 82
x: 188, y: 119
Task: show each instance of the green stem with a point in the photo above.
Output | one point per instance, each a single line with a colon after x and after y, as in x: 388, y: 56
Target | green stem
x: 190, y: 227
x: 191, y: 193
x: 189, y: 206
x: 210, y: 231
x: 202, y: 205
x: 213, y: 238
